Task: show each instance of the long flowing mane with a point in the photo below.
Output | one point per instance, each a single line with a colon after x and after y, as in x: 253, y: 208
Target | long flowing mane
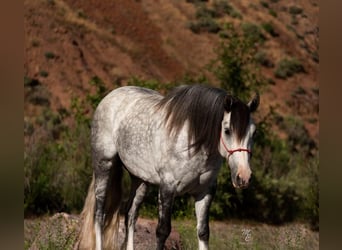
x: 203, y: 107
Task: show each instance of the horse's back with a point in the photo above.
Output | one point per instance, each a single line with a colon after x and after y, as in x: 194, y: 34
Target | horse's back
x: 114, y: 110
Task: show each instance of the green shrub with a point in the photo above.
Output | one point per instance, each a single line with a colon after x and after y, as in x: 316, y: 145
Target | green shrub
x: 253, y: 33
x: 100, y: 91
x: 203, y: 12
x: 57, y: 166
x: 311, y: 199
x: 272, y: 13
x: 36, y: 93
x: 235, y: 66
x: 281, y: 189
x: 222, y: 7
x: 262, y: 59
x: 204, y: 25
x: 288, y: 67
x: 81, y: 14
x: 30, y: 82
x: 43, y: 73
x: 264, y: 4
x: 294, y: 10
x: 268, y: 27
x: 49, y: 55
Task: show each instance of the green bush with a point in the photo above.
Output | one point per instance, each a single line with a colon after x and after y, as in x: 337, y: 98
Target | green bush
x: 287, y: 67
x: 204, y: 25
x: 262, y: 59
x: 235, y: 66
x: 264, y: 4
x: 222, y: 7
x: 203, y: 12
x: 281, y: 189
x: 272, y: 13
x: 294, y: 10
x: 253, y: 33
x: 57, y: 168
x: 49, y: 55
x: 268, y: 27
x: 43, y: 73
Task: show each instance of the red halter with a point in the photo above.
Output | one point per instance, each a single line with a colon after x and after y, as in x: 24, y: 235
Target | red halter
x: 230, y: 152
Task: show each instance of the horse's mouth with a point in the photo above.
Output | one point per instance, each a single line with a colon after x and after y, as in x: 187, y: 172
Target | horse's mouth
x: 241, y: 186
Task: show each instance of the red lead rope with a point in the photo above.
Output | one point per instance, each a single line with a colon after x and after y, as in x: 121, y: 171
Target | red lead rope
x: 230, y: 152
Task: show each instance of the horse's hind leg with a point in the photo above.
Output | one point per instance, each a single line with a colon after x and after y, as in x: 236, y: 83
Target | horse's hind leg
x: 137, y: 194
x: 166, y: 198
x: 102, y: 174
x: 108, y: 172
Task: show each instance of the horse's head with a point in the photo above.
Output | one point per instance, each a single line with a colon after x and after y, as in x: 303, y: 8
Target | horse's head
x: 236, y: 138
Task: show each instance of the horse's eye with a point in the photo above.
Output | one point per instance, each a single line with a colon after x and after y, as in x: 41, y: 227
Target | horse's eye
x: 227, y: 131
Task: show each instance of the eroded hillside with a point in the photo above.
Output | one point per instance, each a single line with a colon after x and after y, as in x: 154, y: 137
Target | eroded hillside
x: 68, y: 42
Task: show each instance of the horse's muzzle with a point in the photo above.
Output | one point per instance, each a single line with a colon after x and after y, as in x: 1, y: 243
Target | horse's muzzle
x: 242, y: 179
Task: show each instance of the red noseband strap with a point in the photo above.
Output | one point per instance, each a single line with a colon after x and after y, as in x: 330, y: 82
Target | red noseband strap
x: 230, y: 152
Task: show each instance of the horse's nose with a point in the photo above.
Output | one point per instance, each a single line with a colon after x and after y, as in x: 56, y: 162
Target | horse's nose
x: 241, y: 181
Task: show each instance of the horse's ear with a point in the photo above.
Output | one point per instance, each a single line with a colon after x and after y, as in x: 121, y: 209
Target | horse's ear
x: 228, y: 103
x: 254, y: 103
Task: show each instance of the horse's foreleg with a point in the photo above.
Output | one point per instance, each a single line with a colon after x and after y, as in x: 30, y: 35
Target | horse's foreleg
x: 165, y: 200
x: 137, y: 194
x: 202, y: 205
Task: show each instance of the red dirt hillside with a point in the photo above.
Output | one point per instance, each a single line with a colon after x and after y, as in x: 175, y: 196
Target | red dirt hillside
x: 67, y: 42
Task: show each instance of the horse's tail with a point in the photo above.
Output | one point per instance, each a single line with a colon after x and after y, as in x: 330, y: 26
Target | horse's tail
x: 110, y: 239
x: 87, y: 234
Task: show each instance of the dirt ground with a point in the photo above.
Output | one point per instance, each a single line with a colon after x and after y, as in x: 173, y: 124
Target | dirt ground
x: 60, y: 232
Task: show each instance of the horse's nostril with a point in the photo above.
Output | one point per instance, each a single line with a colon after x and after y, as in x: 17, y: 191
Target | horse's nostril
x: 238, y: 179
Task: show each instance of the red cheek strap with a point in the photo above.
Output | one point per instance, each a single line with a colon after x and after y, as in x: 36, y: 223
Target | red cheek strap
x: 230, y: 152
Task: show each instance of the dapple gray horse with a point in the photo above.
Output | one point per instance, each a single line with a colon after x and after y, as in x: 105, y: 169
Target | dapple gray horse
x: 177, y: 142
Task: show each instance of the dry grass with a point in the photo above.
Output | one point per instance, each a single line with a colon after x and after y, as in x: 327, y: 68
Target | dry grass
x: 250, y: 235
x: 60, y: 232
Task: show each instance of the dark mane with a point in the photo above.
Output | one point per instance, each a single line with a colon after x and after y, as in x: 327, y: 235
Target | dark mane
x: 203, y: 107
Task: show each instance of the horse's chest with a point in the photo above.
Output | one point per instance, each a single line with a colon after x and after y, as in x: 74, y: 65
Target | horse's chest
x: 195, y: 182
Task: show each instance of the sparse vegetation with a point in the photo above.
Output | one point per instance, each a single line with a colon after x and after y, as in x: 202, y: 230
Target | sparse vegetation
x: 253, y: 33
x: 81, y: 14
x: 262, y: 59
x: 43, y: 73
x: 235, y: 65
x: 204, y: 25
x: 206, y: 18
x: 272, y: 12
x: 287, y: 67
x: 294, y: 10
x: 50, y: 55
x: 223, y: 7
x: 264, y: 4
x: 268, y: 27
x: 243, y: 235
x: 57, y: 161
